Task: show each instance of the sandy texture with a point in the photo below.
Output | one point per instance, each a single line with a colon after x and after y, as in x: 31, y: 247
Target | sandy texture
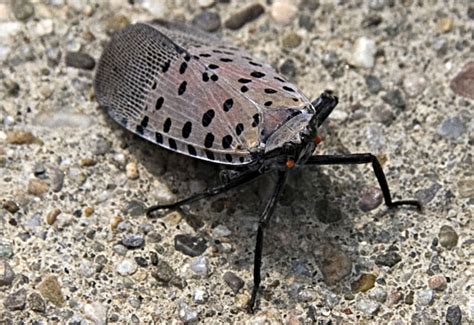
x: 76, y: 247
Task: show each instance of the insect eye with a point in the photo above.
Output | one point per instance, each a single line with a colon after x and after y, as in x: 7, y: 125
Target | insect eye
x: 317, y: 139
x: 290, y: 163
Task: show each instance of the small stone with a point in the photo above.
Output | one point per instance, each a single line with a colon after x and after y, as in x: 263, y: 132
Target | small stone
x: 368, y: 307
x: 470, y: 12
x: 53, y: 56
x: 233, y: 281
x: 326, y: 212
x: 291, y: 40
x: 133, y: 241
x: 135, y: 208
x: 426, y: 195
x: 6, y: 273
x: 16, y: 300
x: 189, y: 245
x: 120, y: 249
x: 364, y: 283
x: 44, y: 27
x: 382, y: 113
x: 206, y: 3
x: 187, y: 314
x: 37, y: 187
x: 378, y: 294
x: 56, y: 179
x: 52, y: 216
x: 115, y: 221
x: 200, y: 266
x: 284, y: 11
x: 389, y: 259
x: 445, y: 25
x: 395, y: 99
x: 447, y: 236
x: 157, y: 8
x: 11, y: 206
x: 424, y: 297
x: 370, y: 198
x: 454, y: 315
x: 363, y: 53
x: 80, y: 60
x: 163, y: 272
x: 6, y: 250
x: 330, y: 60
x: 372, y: 20
x: 126, y: 267
x: 200, y: 296
x: 437, y: 282
x: 288, y: 68
x: 377, y: 4
x: 451, y: 128
x: 394, y: 298
x: 12, y: 87
x: 246, y: 15
x: 373, y: 84
x: 375, y: 139
x: 22, y: 9
x: 96, y: 312
x: 88, y: 211
x: 50, y: 289
x: 414, y: 85
x: 335, y: 264
x: 116, y: 23
x: 141, y: 261
x: 22, y: 137
x: 440, y: 45
x: 466, y: 187
x: 88, y: 162
x: 131, y: 170
x: 36, y: 303
x: 207, y: 21
x: 221, y: 231
x: 242, y: 300
x: 306, y: 21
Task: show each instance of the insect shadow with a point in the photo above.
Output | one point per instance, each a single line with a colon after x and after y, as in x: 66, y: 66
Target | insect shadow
x: 314, y: 221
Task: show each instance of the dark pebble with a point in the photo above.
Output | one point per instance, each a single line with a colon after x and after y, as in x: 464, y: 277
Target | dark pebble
x: 463, y: 82
x: 370, y: 198
x: 208, y: 21
x: 36, y: 303
x: 56, y: 179
x: 395, y: 99
x: 382, y: 113
x: 306, y: 22
x: 12, y: 87
x: 244, y: 16
x: 53, y: 56
x: 154, y: 258
x: 190, y: 245
x: 427, y: 194
x: 389, y: 259
x: 410, y: 298
x: 163, y: 272
x: 371, y: 21
x: 470, y: 12
x: 233, y: 281
x: 6, y: 274
x: 80, y: 60
x: 133, y: 241
x: 327, y: 212
x: 22, y: 9
x: 309, y: 5
x: 16, y: 300
x: 11, y: 206
x: 141, y: 261
x: 39, y: 170
x: 373, y: 84
x: 448, y: 237
x: 288, y: 68
x: 454, y: 315
x: 101, y: 147
x: 330, y: 60
x: 134, y: 208
x: 335, y: 264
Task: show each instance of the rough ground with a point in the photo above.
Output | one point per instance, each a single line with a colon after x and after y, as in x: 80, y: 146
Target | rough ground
x: 76, y: 248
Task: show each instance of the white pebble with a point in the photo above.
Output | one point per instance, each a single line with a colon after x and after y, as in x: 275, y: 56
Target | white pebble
x: 363, y: 54
x: 126, y: 267
x: 132, y: 170
x: 200, y: 296
x: 44, y: 27
x: 96, y: 312
x: 414, y: 85
x: 9, y: 29
x: 284, y: 12
x: 221, y: 231
x: 157, y: 8
x: 206, y: 3
x: 200, y: 266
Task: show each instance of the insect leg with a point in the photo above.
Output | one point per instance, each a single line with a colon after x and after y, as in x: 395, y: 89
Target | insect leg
x: 262, y: 223
x: 242, y: 179
x: 364, y: 158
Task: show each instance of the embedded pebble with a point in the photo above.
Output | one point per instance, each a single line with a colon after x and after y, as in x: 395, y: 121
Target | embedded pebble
x: 451, y: 128
x: 440, y: 45
x: 426, y: 195
x: 22, y: 137
x: 120, y: 249
x: 96, y: 312
x: 382, y: 113
x: 466, y: 187
x: 12, y: 87
x: 447, y: 236
x: 368, y: 307
x: 283, y: 11
x: 53, y: 56
x: 52, y: 216
x: 437, y: 282
x: 51, y: 290
x: 363, y: 53
x: 233, y: 281
x: 208, y: 21
x: 373, y: 84
x: 220, y: 231
x: 389, y: 259
x: 424, y: 297
x: 16, y: 300
x: 364, y: 283
x: 414, y: 85
x: 375, y: 139
x: 116, y: 23
x: 163, y: 272
x: 6, y: 273
x: 187, y: 314
x: 291, y: 40
x: 246, y: 15
x: 6, y: 250
x: 126, y: 267
x: 335, y: 265
x: 11, y: 206
x: 206, y: 3
x: 37, y: 187
x: 80, y: 60
x: 131, y: 170
x: 133, y: 241
x: 326, y: 212
x: 445, y: 25
x: 395, y: 99
x: 22, y: 9
x: 157, y: 8
x: 370, y: 198
x: 288, y: 68
x: 36, y: 303
x: 190, y: 245
x: 200, y: 266
x: 454, y: 315
x: 200, y: 296
x: 378, y: 294
x: 44, y: 27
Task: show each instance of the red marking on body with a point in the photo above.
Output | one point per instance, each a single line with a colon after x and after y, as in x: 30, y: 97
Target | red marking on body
x: 317, y: 139
x: 290, y: 163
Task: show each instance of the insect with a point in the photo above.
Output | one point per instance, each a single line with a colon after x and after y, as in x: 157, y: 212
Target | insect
x: 194, y: 94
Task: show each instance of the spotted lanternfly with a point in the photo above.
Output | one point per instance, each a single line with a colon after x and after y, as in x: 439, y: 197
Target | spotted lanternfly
x: 194, y: 94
